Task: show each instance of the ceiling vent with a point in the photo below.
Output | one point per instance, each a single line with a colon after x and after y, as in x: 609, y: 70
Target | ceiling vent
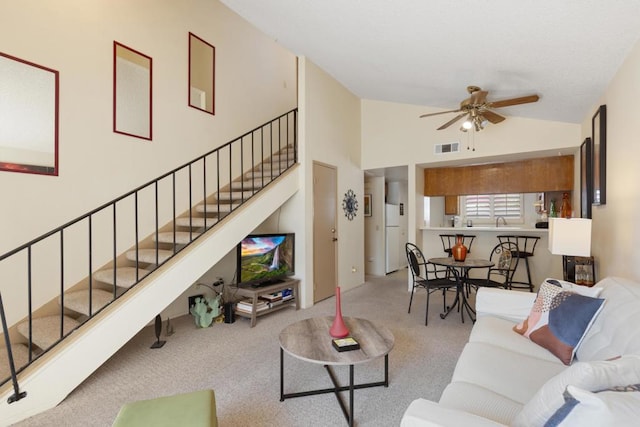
x: 449, y: 147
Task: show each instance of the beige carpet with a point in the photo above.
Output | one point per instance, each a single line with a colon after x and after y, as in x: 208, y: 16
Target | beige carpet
x: 242, y: 365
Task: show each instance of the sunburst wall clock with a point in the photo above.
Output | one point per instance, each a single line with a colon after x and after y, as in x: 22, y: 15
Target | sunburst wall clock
x: 350, y: 204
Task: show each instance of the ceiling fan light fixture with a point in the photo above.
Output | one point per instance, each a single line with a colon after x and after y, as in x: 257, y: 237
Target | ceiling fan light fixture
x: 474, y: 108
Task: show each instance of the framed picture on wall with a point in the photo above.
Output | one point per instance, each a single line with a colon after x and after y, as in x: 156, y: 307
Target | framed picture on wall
x: 599, y: 155
x: 29, y: 98
x: 586, y: 179
x: 367, y: 205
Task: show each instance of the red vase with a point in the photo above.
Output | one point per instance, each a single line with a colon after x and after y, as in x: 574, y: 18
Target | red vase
x: 338, y: 328
x: 459, y: 250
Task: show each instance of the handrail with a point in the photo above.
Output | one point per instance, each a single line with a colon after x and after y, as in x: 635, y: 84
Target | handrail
x: 245, y: 153
x: 117, y: 199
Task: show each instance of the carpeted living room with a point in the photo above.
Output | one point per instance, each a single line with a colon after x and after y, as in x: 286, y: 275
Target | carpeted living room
x: 241, y: 364
x: 142, y: 141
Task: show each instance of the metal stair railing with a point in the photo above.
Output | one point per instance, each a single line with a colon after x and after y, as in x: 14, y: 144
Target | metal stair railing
x: 217, y: 169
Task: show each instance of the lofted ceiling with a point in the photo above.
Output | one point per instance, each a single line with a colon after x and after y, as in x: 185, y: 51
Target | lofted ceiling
x: 427, y: 52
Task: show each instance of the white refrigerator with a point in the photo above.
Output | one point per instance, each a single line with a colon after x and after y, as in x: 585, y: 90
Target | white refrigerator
x: 392, y: 237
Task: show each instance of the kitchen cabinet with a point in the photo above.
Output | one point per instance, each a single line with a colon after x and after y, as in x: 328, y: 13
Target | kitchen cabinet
x: 451, y: 205
x: 526, y: 176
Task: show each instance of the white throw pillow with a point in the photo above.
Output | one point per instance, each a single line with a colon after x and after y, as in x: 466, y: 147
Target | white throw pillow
x: 590, y: 376
x: 602, y: 409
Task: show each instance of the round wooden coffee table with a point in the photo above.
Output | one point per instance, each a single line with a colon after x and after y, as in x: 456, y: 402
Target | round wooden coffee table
x: 309, y: 340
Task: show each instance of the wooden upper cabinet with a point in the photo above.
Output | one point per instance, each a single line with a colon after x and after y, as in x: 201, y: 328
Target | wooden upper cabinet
x: 526, y: 176
x: 451, y: 205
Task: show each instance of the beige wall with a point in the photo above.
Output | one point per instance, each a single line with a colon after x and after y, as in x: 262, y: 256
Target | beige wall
x: 330, y: 133
x: 255, y: 82
x: 616, y: 229
x: 616, y: 225
x: 374, y: 227
x: 387, y: 124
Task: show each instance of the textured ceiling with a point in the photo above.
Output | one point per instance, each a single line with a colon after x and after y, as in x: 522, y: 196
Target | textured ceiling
x: 426, y: 52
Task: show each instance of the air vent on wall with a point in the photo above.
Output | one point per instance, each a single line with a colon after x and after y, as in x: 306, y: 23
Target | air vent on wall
x: 450, y: 147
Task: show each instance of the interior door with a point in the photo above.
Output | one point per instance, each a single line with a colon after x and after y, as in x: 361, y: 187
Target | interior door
x: 325, y: 237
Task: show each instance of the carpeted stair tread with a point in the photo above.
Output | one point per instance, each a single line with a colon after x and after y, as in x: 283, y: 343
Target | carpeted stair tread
x: 46, y: 330
x: 259, y: 174
x: 20, y: 358
x: 215, y: 208
x: 126, y: 276
x: 276, y: 165
x: 181, y: 237
x: 148, y: 256
x: 249, y: 184
x: 78, y: 301
x: 234, y: 195
x: 197, y: 222
x: 283, y: 156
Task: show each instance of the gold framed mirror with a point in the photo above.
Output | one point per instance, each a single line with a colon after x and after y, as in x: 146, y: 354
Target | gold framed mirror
x: 28, y: 117
x: 132, y: 94
x: 202, y: 60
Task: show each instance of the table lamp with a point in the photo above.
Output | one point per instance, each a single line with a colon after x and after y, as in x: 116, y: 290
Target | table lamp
x: 569, y: 237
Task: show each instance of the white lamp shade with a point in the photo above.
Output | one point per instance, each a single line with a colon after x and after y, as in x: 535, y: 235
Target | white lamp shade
x: 570, y: 237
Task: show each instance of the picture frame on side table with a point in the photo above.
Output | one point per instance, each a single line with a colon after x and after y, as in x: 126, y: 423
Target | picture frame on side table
x: 580, y: 270
x: 367, y: 205
x: 586, y: 179
x: 599, y: 155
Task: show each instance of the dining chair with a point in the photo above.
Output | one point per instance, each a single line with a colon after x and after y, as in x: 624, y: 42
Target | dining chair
x: 448, y: 240
x: 427, y: 276
x: 526, y: 246
x: 505, y: 257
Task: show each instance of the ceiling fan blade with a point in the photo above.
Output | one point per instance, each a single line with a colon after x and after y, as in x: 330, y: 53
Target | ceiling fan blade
x: 441, y: 112
x: 452, y: 121
x: 492, y: 117
x: 513, y: 101
x: 479, y: 97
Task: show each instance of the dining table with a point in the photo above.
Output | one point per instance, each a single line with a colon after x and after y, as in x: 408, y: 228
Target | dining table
x: 460, y: 271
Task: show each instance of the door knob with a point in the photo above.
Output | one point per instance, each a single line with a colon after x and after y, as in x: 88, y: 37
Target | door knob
x: 335, y: 239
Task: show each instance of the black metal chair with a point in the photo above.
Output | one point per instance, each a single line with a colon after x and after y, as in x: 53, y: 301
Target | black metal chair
x: 526, y: 246
x: 425, y: 275
x: 505, y: 257
x: 448, y: 240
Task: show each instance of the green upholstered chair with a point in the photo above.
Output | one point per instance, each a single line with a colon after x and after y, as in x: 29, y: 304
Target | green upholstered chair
x: 195, y: 409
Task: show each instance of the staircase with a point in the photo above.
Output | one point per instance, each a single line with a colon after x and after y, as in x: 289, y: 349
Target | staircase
x: 98, y: 315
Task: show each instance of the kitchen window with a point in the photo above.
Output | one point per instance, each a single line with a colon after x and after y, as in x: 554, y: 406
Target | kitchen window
x: 486, y: 208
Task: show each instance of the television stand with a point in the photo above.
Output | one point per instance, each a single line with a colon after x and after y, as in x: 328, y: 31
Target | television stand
x: 267, y: 283
x: 255, y: 293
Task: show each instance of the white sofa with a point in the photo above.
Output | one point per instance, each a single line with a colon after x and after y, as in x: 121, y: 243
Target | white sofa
x: 503, y: 378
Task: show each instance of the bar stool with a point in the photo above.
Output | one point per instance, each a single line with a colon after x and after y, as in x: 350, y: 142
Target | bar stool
x: 448, y: 240
x: 526, y: 246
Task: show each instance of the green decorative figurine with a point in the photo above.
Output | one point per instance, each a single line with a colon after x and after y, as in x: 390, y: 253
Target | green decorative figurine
x: 205, y: 310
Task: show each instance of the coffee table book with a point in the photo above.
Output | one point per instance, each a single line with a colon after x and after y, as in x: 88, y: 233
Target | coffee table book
x: 345, y: 344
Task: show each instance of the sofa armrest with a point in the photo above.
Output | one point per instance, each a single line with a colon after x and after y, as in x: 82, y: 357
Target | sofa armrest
x: 425, y: 413
x: 510, y: 305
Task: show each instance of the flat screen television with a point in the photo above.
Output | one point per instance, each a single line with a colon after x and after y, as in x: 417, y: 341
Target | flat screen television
x: 264, y: 259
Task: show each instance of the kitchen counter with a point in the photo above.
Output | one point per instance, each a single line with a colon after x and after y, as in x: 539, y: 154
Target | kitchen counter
x: 505, y: 228
x: 543, y: 264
